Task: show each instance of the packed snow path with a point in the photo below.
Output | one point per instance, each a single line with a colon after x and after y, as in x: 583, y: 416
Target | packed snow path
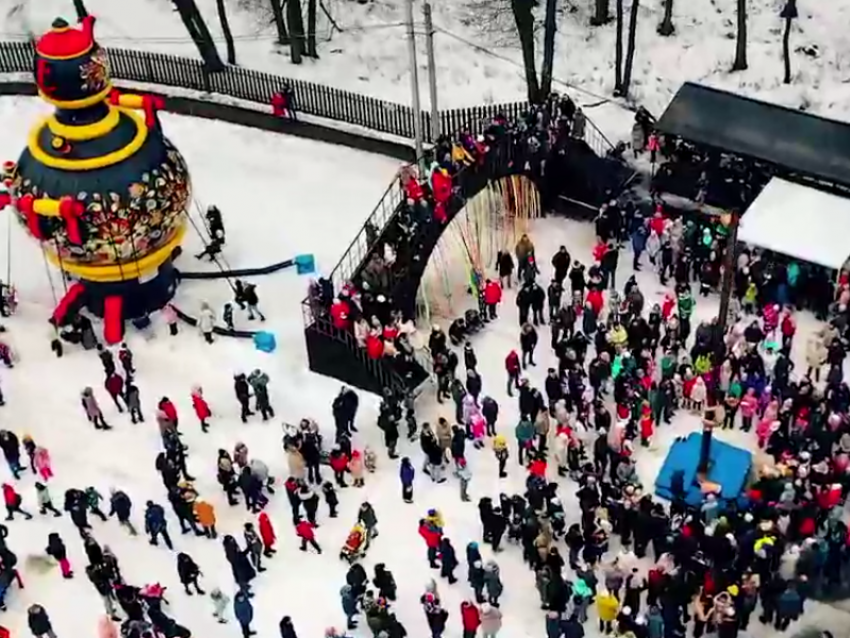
x: 279, y: 196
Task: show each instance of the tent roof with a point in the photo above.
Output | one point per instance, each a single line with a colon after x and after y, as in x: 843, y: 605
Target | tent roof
x: 800, y: 222
x: 792, y: 139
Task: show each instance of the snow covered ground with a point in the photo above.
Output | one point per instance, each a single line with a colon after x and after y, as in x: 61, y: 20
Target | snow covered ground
x: 280, y: 196
x: 478, y: 60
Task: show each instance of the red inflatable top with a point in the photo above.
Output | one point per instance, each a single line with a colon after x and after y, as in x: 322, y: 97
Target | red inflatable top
x: 63, y: 42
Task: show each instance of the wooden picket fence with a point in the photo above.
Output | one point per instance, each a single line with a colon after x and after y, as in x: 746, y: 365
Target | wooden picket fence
x: 310, y: 98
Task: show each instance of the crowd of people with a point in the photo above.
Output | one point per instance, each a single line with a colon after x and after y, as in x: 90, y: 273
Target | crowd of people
x: 378, y: 303
x: 623, y: 368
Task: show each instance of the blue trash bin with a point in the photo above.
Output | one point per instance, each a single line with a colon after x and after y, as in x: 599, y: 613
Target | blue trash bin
x: 265, y: 342
x: 305, y: 264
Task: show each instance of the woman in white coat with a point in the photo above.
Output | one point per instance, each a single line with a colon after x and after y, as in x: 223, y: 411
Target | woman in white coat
x: 206, y: 322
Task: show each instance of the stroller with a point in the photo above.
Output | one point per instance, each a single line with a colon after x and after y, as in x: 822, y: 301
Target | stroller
x: 356, y: 544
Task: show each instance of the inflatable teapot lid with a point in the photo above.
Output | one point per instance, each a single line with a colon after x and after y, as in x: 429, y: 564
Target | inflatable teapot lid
x: 63, y: 42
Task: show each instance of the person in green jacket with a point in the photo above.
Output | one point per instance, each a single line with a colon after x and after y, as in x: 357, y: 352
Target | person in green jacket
x: 524, y: 433
x: 685, y: 306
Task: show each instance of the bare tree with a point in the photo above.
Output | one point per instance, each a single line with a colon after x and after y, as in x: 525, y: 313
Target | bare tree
x: 666, y: 28
x: 311, y: 29
x: 280, y: 25
x: 630, y: 47
x: 548, y: 49
x: 601, y: 13
x: 200, y: 34
x: 789, y: 14
x: 525, y: 29
x: 740, y: 63
x: 618, y: 50
x: 225, y: 28
x: 297, y: 44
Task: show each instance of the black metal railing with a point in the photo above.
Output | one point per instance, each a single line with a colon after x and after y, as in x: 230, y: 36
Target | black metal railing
x: 310, y: 98
x: 320, y: 322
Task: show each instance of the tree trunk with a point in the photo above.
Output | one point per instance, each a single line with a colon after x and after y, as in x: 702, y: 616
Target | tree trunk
x: 630, y: 47
x: 197, y: 28
x: 225, y: 28
x: 280, y: 25
x: 525, y: 28
x: 618, y: 50
x: 666, y: 27
x: 80, y: 8
x: 786, y: 51
x: 311, y: 29
x: 601, y: 14
x: 740, y: 63
x: 548, y: 49
x: 296, y: 30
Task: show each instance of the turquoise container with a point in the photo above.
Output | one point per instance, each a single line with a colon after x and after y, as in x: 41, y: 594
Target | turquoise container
x: 305, y: 264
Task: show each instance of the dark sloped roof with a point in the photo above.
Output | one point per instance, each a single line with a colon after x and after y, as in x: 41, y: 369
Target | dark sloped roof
x: 792, y: 139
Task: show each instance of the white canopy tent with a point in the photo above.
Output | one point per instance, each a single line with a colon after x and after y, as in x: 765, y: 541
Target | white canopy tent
x: 800, y: 222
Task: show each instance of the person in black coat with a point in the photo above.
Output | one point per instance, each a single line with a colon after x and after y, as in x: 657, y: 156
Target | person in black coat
x: 448, y: 560
x: 286, y: 628
x: 98, y: 575
x: 243, y: 395
x: 128, y: 597
x: 528, y: 342
x: 39, y: 622
x: 331, y: 498
x: 537, y: 296
x: 523, y: 302
x: 184, y: 513
x: 385, y: 582
x: 56, y: 550
x: 357, y: 579
x: 121, y: 506
x: 93, y: 550
x: 189, y: 572
x: 240, y: 566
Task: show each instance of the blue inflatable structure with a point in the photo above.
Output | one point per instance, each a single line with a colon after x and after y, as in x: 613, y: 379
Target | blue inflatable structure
x: 729, y: 467
x: 305, y: 264
x: 265, y: 342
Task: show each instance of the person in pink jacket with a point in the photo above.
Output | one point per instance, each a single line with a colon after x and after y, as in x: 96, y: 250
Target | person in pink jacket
x: 41, y: 461
x: 749, y: 404
x: 170, y: 316
x: 764, y: 430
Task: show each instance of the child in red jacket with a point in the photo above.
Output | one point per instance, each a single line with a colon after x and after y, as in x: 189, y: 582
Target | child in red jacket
x: 306, y: 531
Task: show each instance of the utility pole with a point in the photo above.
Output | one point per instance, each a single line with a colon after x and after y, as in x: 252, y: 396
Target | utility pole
x: 414, y: 83
x: 432, y: 72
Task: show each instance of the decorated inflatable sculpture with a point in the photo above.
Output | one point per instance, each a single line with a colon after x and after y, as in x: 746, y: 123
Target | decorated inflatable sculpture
x: 99, y: 186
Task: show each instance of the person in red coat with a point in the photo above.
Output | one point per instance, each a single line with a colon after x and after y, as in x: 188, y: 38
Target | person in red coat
x: 202, y: 408
x: 168, y: 409
x: 267, y: 535
x: 413, y: 189
x: 306, y: 531
x: 512, y: 367
x: 432, y: 536
x: 12, y: 500
x: 596, y: 300
x: 114, y: 385
x: 492, y: 297
x: 647, y: 426
x: 470, y: 617
x: 340, y: 315
x: 374, y: 347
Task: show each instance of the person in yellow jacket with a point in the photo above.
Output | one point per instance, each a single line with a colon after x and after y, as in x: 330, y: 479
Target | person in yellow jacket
x: 607, y: 607
x: 461, y: 156
x: 500, y: 449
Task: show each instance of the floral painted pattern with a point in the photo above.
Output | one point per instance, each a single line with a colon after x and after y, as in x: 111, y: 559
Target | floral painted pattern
x: 95, y: 72
x: 122, y: 227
